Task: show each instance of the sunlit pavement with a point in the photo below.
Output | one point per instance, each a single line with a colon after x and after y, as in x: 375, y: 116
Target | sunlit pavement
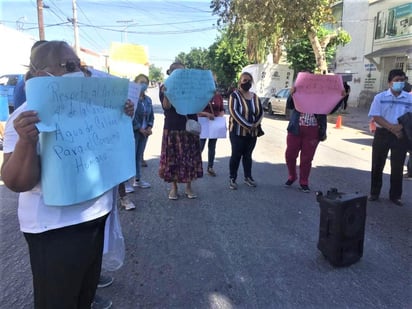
x: 249, y: 248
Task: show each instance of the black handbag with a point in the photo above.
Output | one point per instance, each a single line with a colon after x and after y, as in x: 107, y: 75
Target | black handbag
x: 260, y: 131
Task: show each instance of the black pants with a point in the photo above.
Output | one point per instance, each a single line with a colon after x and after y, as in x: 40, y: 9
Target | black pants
x: 382, y: 143
x: 242, y: 148
x: 66, y: 265
x: 211, y: 146
x: 345, y: 102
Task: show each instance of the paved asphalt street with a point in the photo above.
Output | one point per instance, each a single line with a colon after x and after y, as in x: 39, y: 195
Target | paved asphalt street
x: 250, y: 248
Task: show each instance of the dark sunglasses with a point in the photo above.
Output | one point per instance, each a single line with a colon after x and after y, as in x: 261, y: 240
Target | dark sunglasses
x: 71, y: 65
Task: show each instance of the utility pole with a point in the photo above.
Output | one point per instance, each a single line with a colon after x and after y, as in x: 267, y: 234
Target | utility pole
x: 126, y: 22
x: 40, y: 19
x: 76, y: 29
x: 20, y: 23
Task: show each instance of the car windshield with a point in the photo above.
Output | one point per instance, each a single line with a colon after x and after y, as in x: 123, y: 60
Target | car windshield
x: 9, y: 80
x: 283, y: 93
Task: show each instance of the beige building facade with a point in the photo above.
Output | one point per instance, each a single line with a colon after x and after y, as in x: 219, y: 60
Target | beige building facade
x: 381, y: 32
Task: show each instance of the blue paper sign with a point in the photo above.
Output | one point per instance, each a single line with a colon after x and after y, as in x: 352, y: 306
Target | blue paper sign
x: 4, y: 107
x: 190, y: 90
x: 86, y: 139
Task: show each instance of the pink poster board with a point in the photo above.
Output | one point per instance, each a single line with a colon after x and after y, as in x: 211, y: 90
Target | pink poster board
x: 316, y: 93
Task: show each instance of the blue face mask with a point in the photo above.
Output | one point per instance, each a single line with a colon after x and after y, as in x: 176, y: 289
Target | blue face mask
x: 398, y: 86
x: 144, y: 87
x: 74, y: 74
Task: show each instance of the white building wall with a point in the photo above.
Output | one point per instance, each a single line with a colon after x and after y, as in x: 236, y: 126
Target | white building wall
x: 15, y: 51
x: 378, y: 11
x: 360, y: 19
x: 349, y: 58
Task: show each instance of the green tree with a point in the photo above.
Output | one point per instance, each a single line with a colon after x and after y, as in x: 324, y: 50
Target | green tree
x: 197, y: 58
x: 300, y: 53
x: 244, y: 19
x: 275, y: 21
x: 227, y: 57
x: 155, y: 73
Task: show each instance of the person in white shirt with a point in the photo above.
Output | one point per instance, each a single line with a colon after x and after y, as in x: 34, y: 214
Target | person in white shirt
x: 385, y: 110
x: 65, y: 243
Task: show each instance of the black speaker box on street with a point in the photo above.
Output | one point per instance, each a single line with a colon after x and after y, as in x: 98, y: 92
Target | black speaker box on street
x: 342, y: 226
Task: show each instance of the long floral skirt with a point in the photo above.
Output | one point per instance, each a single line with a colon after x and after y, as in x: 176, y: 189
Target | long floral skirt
x: 180, y: 158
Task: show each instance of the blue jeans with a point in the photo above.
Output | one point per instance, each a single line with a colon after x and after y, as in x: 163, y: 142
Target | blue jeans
x: 140, y: 144
x: 211, y: 145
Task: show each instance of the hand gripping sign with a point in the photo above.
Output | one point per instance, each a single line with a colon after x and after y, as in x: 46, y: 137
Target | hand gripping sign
x: 190, y: 90
x: 86, y: 139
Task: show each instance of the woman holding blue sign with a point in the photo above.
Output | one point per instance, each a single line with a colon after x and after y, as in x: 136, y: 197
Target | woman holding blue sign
x: 65, y: 242
x: 180, y: 158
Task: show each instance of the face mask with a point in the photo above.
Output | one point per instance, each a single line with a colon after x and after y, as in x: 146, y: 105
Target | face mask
x: 246, y: 86
x: 143, y: 87
x: 398, y: 86
x: 74, y: 74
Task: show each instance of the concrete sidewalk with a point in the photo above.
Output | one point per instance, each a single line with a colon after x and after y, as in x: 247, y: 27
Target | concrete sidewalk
x: 353, y: 117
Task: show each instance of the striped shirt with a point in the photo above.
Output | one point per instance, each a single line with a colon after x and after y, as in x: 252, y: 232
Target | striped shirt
x: 244, y: 113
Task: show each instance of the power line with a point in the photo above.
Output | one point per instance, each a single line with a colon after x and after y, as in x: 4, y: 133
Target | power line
x: 159, y: 24
x: 47, y: 26
x: 67, y: 23
x: 84, y: 34
x: 155, y: 18
x: 154, y: 32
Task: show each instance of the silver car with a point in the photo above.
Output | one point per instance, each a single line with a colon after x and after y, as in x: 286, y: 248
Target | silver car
x: 277, y: 103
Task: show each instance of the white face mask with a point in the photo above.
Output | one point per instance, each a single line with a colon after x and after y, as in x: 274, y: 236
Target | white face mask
x: 74, y: 74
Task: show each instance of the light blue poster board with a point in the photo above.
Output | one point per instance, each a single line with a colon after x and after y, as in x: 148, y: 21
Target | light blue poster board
x: 4, y: 106
x: 86, y: 139
x: 134, y: 88
x: 189, y: 90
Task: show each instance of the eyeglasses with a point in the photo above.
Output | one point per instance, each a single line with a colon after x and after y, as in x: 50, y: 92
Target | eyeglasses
x: 70, y: 65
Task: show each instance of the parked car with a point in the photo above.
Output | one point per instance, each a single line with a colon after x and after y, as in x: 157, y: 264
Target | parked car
x: 277, y: 103
x: 265, y: 102
x: 7, y: 84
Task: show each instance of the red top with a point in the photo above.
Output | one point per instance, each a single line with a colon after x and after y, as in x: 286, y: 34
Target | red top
x: 217, y: 105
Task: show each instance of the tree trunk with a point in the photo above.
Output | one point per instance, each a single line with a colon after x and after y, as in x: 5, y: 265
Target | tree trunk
x: 277, y: 51
x: 319, y: 50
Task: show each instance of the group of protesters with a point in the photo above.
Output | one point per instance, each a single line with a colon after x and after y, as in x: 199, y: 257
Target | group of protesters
x: 66, y: 243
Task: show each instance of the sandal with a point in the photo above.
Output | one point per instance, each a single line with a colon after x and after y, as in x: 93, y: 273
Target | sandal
x: 173, y: 195
x: 190, y: 195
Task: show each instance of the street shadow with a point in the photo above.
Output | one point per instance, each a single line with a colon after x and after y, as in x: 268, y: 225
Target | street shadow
x: 276, y: 116
x: 229, y: 244
x: 361, y: 141
x: 245, y: 248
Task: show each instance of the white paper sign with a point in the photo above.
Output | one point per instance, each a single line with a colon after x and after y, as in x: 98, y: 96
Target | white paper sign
x: 215, y: 128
